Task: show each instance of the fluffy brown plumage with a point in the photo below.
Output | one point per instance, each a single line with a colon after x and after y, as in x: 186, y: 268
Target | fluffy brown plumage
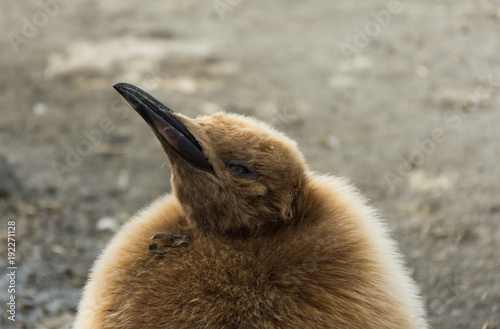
x: 255, y: 240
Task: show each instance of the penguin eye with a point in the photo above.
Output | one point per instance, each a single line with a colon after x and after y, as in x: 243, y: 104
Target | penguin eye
x: 237, y: 169
x: 240, y: 170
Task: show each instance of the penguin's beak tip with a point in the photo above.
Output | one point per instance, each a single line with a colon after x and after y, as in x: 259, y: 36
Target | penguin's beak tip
x: 167, y: 127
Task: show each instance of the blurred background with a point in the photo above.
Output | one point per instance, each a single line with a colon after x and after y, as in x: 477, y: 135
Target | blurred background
x: 400, y: 97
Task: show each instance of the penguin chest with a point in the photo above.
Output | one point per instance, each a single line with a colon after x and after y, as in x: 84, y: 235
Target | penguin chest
x: 217, y: 284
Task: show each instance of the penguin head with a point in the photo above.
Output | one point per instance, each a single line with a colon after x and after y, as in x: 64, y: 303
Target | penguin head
x: 233, y: 175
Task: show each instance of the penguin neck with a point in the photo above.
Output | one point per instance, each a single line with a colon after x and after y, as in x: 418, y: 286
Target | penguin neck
x: 217, y: 221
x: 206, y: 226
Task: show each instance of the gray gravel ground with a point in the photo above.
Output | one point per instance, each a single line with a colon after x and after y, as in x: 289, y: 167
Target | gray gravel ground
x: 402, y: 98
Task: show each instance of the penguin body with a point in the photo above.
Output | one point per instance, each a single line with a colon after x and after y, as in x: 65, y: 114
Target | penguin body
x: 249, y: 238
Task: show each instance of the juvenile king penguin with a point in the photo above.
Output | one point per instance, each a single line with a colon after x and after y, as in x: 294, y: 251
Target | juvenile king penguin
x: 249, y: 238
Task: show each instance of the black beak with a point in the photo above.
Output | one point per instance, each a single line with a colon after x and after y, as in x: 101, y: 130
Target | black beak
x: 166, y: 126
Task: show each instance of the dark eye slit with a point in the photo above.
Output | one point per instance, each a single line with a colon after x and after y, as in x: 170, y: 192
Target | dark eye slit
x: 240, y: 168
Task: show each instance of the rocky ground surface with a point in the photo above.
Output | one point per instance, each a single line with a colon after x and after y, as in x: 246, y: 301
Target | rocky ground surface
x: 401, y: 98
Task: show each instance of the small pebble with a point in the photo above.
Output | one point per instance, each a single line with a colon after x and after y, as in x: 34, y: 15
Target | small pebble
x: 332, y: 142
x: 40, y: 109
x: 107, y: 224
x: 422, y: 71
